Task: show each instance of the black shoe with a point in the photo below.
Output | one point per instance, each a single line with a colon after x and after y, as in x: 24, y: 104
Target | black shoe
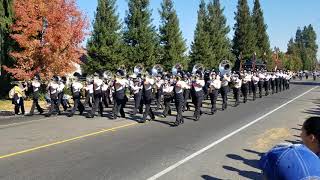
x: 81, y: 113
x: 29, y: 114
x: 142, y: 121
x: 181, y: 121
x: 47, y: 115
x: 70, y: 115
x: 197, y: 119
x: 153, y: 118
x: 90, y: 116
x: 176, y: 123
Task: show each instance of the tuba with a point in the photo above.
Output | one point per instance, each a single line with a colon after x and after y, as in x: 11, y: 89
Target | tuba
x: 198, y: 67
x: 176, y: 68
x: 225, y: 67
x: 107, y: 75
x: 157, y: 70
x: 138, y: 69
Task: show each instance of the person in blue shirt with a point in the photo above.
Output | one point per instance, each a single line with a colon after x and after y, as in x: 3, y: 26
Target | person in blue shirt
x: 298, y: 161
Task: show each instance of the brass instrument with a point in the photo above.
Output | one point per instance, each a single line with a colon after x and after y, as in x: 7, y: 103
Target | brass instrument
x: 138, y: 69
x: 157, y: 70
x: 176, y: 68
x: 198, y: 67
x: 225, y: 67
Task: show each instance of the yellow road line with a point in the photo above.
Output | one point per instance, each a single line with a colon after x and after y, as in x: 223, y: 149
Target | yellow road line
x: 67, y: 140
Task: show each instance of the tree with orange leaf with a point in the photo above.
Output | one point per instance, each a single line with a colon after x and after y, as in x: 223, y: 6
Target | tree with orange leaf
x: 49, y: 34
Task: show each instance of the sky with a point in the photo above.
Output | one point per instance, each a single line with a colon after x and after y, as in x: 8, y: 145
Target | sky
x: 282, y: 17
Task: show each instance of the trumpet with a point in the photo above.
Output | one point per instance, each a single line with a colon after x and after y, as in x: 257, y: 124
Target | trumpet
x: 197, y: 67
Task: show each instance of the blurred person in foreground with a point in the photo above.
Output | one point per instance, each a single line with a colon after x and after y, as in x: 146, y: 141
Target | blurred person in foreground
x: 295, y: 161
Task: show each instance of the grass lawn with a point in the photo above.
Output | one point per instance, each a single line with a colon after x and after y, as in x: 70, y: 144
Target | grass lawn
x: 6, y: 105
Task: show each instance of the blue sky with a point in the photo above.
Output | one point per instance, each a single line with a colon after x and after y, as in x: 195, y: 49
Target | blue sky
x: 283, y: 17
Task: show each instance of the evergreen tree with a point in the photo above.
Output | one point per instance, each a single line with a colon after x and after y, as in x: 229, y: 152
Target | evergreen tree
x: 218, y: 30
x: 304, y: 47
x: 139, y: 35
x: 6, y: 43
x: 200, y: 47
x: 105, y: 45
x: 244, y: 40
x: 263, y: 43
x: 171, y: 40
x: 310, y: 47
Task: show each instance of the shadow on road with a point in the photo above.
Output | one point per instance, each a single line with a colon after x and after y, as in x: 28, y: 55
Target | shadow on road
x: 207, y: 177
x: 254, y: 163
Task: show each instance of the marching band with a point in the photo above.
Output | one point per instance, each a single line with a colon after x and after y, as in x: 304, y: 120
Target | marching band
x: 158, y: 87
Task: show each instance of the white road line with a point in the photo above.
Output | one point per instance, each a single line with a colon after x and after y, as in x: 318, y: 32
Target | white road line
x: 172, y: 167
x: 22, y: 123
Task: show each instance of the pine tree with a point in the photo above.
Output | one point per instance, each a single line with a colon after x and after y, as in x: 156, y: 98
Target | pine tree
x: 263, y: 43
x: 244, y: 40
x: 310, y: 47
x: 6, y: 43
x: 218, y: 31
x: 139, y: 35
x: 171, y: 40
x: 105, y: 46
x: 200, y: 48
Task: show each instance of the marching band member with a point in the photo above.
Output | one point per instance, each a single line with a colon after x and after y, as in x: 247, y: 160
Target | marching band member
x: 266, y: 83
x: 61, y: 93
x: 158, y: 89
x: 97, y: 94
x: 214, y: 87
x: 245, y: 86
x: 237, y: 82
x: 104, y: 90
x: 179, y: 98
x: 147, y: 98
x: 36, y: 88
x: 88, y: 92
x: 53, y: 91
x: 136, y: 88
x: 224, y: 90
x: 198, y: 85
x: 167, y: 96
x: 76, y: 87
x: 255, y: 81
x: 119, y: 95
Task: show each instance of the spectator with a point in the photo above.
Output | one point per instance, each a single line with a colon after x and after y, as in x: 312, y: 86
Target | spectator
x: 295, y: 162
x: 17, y: 93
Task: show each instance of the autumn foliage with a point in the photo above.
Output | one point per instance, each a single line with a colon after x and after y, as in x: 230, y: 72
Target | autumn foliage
x: 60, y: 48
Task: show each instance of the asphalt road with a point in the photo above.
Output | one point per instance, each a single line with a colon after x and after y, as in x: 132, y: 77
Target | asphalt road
x: 80, y: 148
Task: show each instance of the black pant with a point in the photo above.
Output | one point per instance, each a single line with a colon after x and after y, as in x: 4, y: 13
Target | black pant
x: 254, y: 91
x: 158, y: 98
x: 167, y: 108
x: 199, y: 95
x: 61, y: 101
x: 273, y: 86
x: 35, y: 103
x: 260, y: 85
x: 244, y: 90
x: 105, y: 99
x: 18, y: 103
x: 97, y: 104
x: 224, y: 94
x: 276, y: 84
x: 119, y: 103
x: 213, y: 98
x: 186, y: 95
x: 236, y: 92
x: 89, y: 96
x: 137, y: 101
x: 179, y: 102
x: 266, y: 87
x: 147, y: 97
x: 54, y: 104
x: 77, y: 104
